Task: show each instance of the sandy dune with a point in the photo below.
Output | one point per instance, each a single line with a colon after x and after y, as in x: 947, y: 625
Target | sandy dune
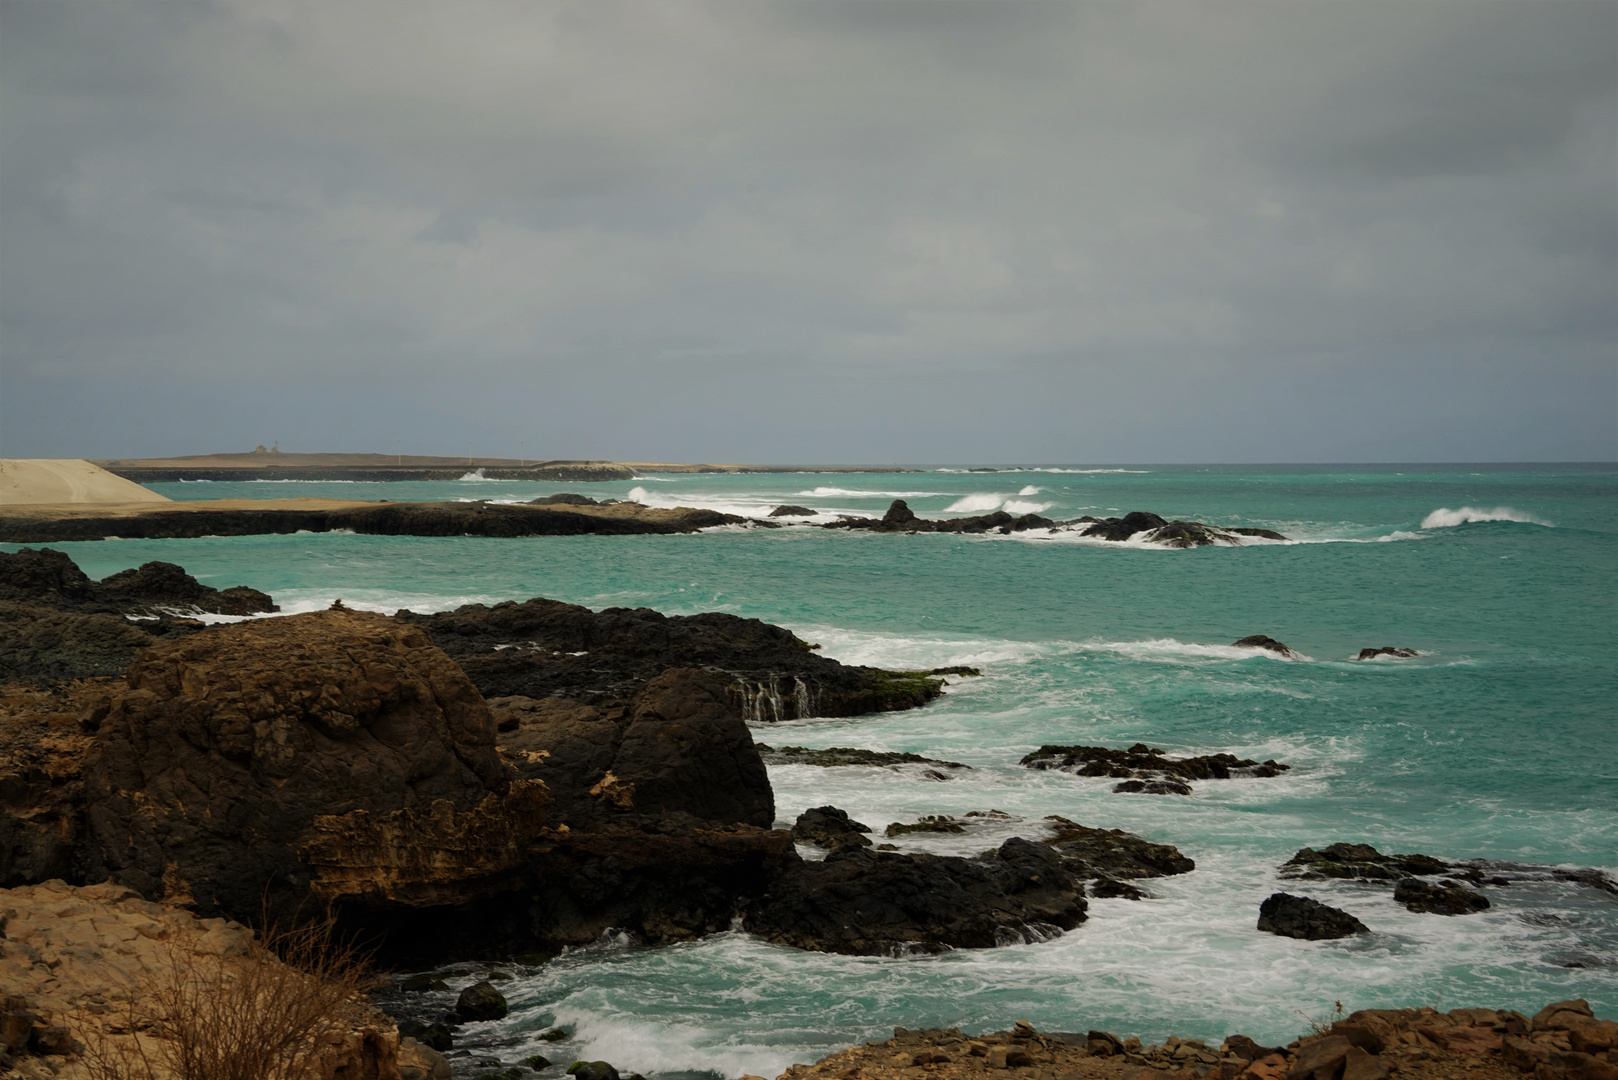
x: 35, y: 481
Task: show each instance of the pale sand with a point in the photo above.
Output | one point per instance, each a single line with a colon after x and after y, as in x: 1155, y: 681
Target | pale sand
x: 48, y: 481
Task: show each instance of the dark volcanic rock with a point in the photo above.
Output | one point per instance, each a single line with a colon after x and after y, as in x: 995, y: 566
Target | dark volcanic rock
x: 1386, y: 650
x: 931, y: 823
x: 1445, y: 898
x: 1268, y: 644
x: 57, y: 625
x: 49, y: 578
x: 679, y: 747
x: 1113, y: 853
x: 792, y: 511
x: 1300, y: 917
x: 831, y: 828
x: 1146, y: 769
x: 481, y: 1001
x: 1152, y: 787
x: 1123, y: 528
x: 1359, y: 861
x: 544, y: 648
x: 564, y: 499
x: 838, y: 756
x: 864, y: 902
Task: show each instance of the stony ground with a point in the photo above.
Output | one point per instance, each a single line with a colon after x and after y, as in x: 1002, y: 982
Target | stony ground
x: 1465, y: 1044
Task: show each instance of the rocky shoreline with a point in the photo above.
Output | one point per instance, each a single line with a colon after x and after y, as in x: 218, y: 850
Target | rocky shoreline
x: 555, y: 515
x: 511, y: 780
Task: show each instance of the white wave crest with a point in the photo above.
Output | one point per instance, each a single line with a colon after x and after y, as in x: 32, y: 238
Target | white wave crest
x: 1029, y: 490
x: 836, y: 492
x: 1017, y: 506
x: 1444, y: 518
x: 975, y: 504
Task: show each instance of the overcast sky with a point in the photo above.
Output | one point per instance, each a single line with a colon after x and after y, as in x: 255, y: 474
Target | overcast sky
x: 887, y: 230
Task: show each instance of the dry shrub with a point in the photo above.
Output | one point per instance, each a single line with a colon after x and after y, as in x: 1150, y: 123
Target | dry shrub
x: 266, y: 1015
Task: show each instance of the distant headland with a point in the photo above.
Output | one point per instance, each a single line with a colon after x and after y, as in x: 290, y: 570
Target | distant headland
x: 273, y: 464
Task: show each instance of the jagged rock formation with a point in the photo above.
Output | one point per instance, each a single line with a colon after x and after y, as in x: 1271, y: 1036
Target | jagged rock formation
x: 1145, y: 769
x: 56, y: 624
x: 1148, y: 527
x: 1305, y: 918
x: 1359, y: 861
x: 545, y: 648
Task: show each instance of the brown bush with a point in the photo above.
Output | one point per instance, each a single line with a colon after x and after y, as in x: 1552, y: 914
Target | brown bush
x: 274, y: 1013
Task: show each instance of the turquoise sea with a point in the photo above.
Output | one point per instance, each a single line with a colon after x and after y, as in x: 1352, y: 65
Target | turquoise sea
x: 1499, y: 741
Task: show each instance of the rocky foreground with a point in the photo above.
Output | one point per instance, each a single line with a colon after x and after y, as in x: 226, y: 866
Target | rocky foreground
x: 1564, y: 1041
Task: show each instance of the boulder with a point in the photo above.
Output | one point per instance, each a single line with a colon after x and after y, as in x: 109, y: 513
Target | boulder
x: 829, y: 827
x: 1120, y: 529
x: 1320, y: 1056
x: 1268, y: 644
x: 899, y: 515
x: 1445, y: 898
x: 215, y: 757
x: 792, y: 511
x: 481, y: 1001
x: 1306, y: 919
x: 592, y: 1070
x: 1562, y: 1015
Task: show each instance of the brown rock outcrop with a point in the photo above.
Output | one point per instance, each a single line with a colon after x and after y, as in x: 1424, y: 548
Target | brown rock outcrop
x: 212, y: 762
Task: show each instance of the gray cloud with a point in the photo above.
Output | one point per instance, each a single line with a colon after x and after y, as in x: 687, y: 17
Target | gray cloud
x: 836, y: 231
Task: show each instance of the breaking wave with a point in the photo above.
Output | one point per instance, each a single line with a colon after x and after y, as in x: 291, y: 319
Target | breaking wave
x: 1444, y: 518
x: 975, y: 504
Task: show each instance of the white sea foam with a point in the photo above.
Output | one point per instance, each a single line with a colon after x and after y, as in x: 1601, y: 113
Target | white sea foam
x: 1029, y: 490
x: 851, y: 493
x: 1019, y: 506
x: 725, y: 504
x: 1444, y: 518
x: 975, y: 504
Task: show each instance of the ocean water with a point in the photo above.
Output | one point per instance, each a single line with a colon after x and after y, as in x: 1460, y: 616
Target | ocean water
x: 1497, y: 742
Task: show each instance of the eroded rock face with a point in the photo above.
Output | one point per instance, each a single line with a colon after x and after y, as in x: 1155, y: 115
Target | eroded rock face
x: 1301, y: 917
x: 679, y: 747
x: 221, y: 749
x: 544, y: 648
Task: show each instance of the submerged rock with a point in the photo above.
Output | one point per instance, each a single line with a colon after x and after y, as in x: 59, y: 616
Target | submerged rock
x: 1268, y: 644
x: 931, y: 823
x: 1307, y: 919
x: 1386, y: 650
x: 1359, y: 861
x: 1146, y: 769
x: 1445, y: 898
x: 838, y: 756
